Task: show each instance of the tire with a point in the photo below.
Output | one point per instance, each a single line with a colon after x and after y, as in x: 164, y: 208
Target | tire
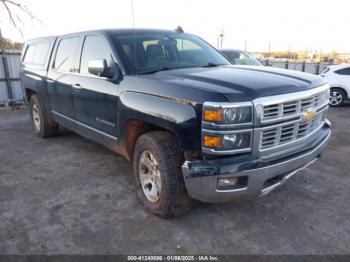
x: 162, y: 149
x: 42, y: 125
x: 337, y: 97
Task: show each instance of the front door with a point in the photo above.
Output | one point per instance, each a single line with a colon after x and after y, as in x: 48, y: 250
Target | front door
x: 95, y: 98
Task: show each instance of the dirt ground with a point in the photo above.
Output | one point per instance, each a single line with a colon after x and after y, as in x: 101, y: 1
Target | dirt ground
x: 68, y: 195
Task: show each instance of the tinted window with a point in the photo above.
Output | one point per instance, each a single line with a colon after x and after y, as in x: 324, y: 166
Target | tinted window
x: 65, y: 54
x: 95, y: 48
x: 29, y: 55
x: 36, y: 54
x: 344, y: 71
x: 41, y: 52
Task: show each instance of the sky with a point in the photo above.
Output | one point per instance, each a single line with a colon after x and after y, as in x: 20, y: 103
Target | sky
x: 312, y: 25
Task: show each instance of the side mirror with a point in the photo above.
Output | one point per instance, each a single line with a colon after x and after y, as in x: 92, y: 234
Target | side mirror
x: 98, y: 67
x: 101, y: 68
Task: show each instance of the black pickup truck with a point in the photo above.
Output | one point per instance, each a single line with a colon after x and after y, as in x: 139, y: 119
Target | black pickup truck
x: 194, y: 126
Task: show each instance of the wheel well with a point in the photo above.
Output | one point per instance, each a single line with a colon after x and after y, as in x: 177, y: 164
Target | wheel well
x: 342, y: 89
x: 29, y: 93
x: 134, y: 128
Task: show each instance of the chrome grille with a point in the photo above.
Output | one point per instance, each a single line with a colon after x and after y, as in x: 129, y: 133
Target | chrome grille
x: 288, y: 109
x: 287, y: 132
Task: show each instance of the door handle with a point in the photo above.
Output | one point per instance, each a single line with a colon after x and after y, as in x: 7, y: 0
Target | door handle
x: 77, y: 87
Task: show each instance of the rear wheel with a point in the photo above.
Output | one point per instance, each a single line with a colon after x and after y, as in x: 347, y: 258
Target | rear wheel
x: 157, y: 165
x: 42, y: 125
x: 337, y: 97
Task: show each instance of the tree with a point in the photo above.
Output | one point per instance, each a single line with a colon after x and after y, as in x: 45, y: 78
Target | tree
x: 15, y: 10
x: 8, y: 44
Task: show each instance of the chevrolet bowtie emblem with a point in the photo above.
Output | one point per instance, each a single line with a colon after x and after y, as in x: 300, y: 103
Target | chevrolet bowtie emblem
x: 309, y: 115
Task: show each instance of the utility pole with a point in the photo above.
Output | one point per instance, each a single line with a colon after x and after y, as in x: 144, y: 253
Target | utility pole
x: 289, y: 53
x: 245, y: 45
x: 221, y: 37
x: 269, y: 49
x: 1, y: 40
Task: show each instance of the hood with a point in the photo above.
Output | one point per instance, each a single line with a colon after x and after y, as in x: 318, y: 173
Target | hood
x: 242, y: 83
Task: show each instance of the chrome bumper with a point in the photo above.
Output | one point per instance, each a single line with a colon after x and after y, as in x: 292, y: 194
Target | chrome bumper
x: 201, y: 177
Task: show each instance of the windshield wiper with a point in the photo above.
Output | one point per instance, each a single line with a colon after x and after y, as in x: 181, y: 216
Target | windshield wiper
x: 153, y: 71
x: 210, y: 64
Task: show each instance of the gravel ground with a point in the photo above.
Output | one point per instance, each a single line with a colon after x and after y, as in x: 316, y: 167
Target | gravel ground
x: 68, y: 195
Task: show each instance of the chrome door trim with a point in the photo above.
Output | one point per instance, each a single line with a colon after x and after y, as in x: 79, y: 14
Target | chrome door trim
x: 86, y: 126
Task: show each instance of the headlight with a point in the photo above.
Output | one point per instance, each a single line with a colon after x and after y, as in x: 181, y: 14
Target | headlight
x: 240, y: 113
x: 240, y: 140
x: 227, y: 128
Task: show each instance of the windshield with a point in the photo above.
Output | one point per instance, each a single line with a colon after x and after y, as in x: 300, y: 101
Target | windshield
x: 149, y: 53
x: 241, y: 58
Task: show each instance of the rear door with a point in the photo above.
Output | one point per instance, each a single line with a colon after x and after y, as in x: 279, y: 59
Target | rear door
x: 60, y: 79
x: 95, y: 98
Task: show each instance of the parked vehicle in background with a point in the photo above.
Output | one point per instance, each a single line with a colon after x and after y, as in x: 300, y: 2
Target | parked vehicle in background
x: 338, y: 77
x: 194, y: 126
x: 240, y: 57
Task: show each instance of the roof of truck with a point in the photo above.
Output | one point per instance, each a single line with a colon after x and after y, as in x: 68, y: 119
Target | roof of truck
x: 120, y: 31
x: 139, y: 31
x: 50, y: 38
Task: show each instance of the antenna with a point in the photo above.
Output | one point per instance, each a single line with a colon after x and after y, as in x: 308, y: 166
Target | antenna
x: 133, y: 35
x: 179, y: 29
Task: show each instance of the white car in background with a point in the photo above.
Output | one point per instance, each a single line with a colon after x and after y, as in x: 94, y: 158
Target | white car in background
x: 338, y: 77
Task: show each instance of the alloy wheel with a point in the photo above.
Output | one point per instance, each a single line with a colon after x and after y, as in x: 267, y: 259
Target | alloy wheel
x: 36, y: 117
x: 150, y: 177
x: 336, y: 98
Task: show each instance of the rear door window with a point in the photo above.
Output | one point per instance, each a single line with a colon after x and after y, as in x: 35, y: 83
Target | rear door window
x: 65, y: 56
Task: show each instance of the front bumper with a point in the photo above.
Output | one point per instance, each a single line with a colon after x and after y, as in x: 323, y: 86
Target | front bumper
x: 259, y: 176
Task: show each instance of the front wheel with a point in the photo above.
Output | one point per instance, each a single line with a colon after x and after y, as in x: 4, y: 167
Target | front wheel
x: 157, y: 165
x: 337, y: 97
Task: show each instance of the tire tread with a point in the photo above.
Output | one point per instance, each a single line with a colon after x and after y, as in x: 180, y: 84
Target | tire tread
x: 176, y: 200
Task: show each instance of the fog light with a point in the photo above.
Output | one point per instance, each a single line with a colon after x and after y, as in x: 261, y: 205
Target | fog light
x: 227, y: 182
x: 234, y: 140
x: 237, y: 141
